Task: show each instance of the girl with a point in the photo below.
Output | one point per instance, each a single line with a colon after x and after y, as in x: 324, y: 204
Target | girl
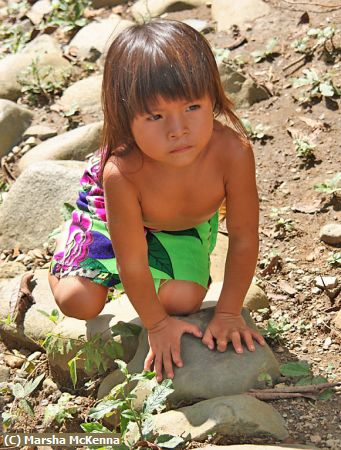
x: 146, y: 216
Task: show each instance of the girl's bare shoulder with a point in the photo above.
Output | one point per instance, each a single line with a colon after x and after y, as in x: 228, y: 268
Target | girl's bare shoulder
x: 229, y: 145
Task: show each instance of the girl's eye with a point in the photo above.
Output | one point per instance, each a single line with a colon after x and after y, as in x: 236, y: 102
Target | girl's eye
x: 193, y: 107
x: 154, y: 117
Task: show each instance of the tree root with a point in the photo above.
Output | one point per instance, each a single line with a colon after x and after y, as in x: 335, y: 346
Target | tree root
x: 308, y: 391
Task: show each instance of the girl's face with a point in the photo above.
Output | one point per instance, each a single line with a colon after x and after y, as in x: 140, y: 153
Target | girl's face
x: 176, y: 131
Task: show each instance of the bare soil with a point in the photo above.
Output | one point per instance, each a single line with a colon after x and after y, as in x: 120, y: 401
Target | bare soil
x: 291, y: 253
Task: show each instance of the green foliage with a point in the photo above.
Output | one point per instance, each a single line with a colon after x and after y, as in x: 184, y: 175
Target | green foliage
x: 316, y: 86
x: 41, y: 83
x: 221, y: 54
x: 266, y: 53
x: 13, y: 38
x: 330, y: 186
x: 274, y: 330
x: 68, y: 14
x: 302, y: 373
x: 120, y: 400
x: 53, y: 316
x: 258, y: 132
x: 60, y: 411
x: 304, y: 148
x: 314, y: 36
x: 335, y: 259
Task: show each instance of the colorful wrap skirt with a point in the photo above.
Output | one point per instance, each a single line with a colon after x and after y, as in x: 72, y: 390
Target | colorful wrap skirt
x: 88, y: 252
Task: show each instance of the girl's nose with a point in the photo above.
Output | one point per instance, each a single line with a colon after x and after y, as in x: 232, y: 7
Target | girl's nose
x: 177, y: 129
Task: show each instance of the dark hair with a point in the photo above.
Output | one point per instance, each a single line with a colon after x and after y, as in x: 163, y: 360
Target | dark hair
x: 161, y: 58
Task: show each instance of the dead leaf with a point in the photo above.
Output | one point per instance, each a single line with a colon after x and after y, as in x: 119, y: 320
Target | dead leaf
x: 313, y: 123
x: 304, y: 18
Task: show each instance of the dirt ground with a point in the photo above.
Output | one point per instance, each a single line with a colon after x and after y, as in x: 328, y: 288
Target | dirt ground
x: 291, y: 253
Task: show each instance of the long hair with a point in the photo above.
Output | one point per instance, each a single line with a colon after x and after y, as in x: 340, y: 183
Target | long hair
x: 162, y: 58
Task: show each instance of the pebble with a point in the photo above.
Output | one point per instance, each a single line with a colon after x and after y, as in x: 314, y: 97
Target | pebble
x: 327, y: 343
x: 315, y: 438
x: 316, y: 290
x: 25, y: 149
x: 13, y: 361
x: 331, y: 233
x: 328, y: 282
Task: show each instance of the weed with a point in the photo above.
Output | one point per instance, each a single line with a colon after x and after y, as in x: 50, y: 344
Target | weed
x: 317, y: 37
x: 274, y: 330
x: 258, y: 132
x: 316, y: 87
x: 60, y: 411
x: 121, y: 400
x: 264, y: 262
x: 68, y: 14
x: 283, y: 225
x: 304, y: 149
x: 41, y: 83
x: 267, y: 53
x: 53, y: 316
x: 331, y: 186
x: 335, y: 259
x: 12, y: 38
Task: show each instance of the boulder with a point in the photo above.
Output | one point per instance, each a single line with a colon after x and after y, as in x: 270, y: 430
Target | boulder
x: 142, y: 11
x: 33, y: 206
x: 232, y: 373
x: 75, y: 145
x: 331, y: 233
x: 13, y: 122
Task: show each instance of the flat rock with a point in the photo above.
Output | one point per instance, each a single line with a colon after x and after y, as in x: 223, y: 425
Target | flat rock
x: 41, y: 132
x: 14, y: 120
x: 74, y: 145
x: 233, y: 415
x: 33, y: 206
x: 48, y: 53
x: 331, y: 233
x: 232, y: 373
x: 142, y: 11
x: 98, y: 35
x: 85, y: 94
x: 227, y: 13
x: 255, y: 298
x: 328, y: 282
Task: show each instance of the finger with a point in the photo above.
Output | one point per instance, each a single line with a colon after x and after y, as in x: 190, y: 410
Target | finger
x: 193, y: 329
x: 221, y: 344
x: 236, y: 342
x: 167, y: 363
x: 158, y: 367
x: 208, y: 339
x: 176, y: 356
x: 149, y: 359
x: 258, y: 337
x: 248, y: 340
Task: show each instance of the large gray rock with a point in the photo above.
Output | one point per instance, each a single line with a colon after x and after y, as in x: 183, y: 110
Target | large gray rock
x: 232, y: 373
x: 98, y: 35
x: 143, y: 11
x: 13, y: 122
x: 331, y: 233
x: 32, y: 208
x: 227, y: 13
x: 234, y: 415
x: 86, y: 94
x: 74, y: 145
x: 48, y: 53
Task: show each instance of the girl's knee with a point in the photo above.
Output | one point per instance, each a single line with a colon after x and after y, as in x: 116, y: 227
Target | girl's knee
x: 181, y: 297
x: 75, y: 301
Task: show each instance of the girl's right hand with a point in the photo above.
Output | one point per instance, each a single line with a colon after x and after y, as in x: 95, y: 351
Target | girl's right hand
x: 164, y: 342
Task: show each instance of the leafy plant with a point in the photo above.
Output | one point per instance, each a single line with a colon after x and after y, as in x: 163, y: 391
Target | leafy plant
x: 53, y: 316
x: 121, y: 400
x: 40, y: 83
x: 304, y: 148
x: 317, y: 87
x: 258, y: 132
x: 274, y: 330
x: 260, y: 55
x: 267, y: 258
x: 302, y: 373
x: 331, y: 186
x: 60, y: 411
x: 335, y: 259
x: 321, y: 37
x: 68, y: 14
x: 13, y: 38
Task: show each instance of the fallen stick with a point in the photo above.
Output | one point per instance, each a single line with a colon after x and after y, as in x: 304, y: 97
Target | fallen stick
x: 278, y: 395
x: 299, y: 389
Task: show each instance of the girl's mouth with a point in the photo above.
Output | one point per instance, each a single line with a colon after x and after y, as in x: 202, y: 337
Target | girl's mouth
x: 181, y: 149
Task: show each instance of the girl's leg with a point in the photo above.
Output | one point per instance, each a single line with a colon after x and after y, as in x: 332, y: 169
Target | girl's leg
x: 76, y: 296
x: 181, y: 297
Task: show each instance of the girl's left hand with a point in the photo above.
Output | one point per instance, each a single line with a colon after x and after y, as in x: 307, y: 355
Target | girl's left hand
x: 226, y: 327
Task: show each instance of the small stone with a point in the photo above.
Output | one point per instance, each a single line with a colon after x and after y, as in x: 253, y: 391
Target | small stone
x: 327, y: 343
x: 316, y: 290
x: 4, y: 373
x: 315, y: 438
x: 41, y: 132
x: 31, y: 141
x: 13, y: 361
x: 49, y: 386
x: 16, y: 149
x: 331, y: 233
x: 328, y: 282
x: 26, y: 148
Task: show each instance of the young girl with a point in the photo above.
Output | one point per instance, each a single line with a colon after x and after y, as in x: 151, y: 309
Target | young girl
x: 146, y: 216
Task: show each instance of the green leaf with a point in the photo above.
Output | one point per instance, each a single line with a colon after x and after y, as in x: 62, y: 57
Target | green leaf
x: 156, y: 400
x: 18, y: 391
x: 158, y: 256
x: 122, y: 365
x: 295, y: 369
x: 124, y: 422
x: 326, y: 89
x: 26, y: 406
x: 125, y: 329
x: 104, y: 408
x: 326, y: 395
x: 145, y: 375
x: 32, y: 385
x: 91, y: 427
x: 73, y: 370
x: 168, y: 441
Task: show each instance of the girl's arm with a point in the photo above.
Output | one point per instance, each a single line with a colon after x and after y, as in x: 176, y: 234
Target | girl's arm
x: 242, y: 214
x: 127, y: 234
